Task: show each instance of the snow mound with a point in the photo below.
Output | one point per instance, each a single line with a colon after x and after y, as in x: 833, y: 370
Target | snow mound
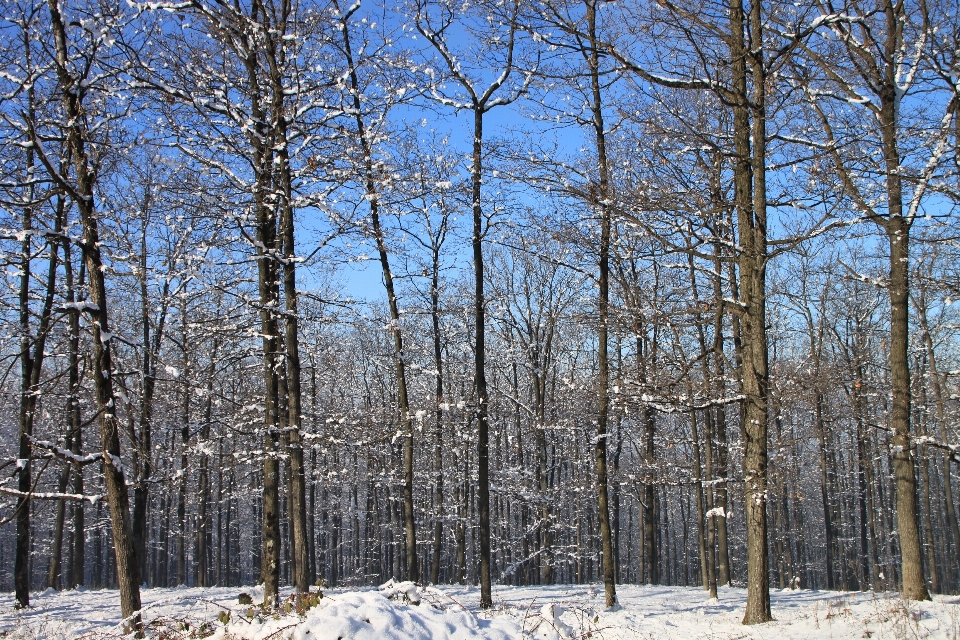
x: 370, y: 615
x: 550, y: 626
x: 408, y: 590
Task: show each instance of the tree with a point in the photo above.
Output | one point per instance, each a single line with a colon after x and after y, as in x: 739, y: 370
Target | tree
x: 533, y: 295
x: 75, y: 62
x: 254, y: 53
x: 884, y: 48
x: 370, y: 169
x: 430, y: 186
x: 479, y: 98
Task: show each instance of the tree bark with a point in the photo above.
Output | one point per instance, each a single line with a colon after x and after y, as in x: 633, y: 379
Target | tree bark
x: 479, y: 362
x: 750, y: 207
x: 651, y: 503
x: 270, y: 557
x: 128, y: 575
x: 372, y: 193
x: 284, y: 190
x: 898, y: 234
x: 826, y: 490
x: 31, y: 365
x: 151, y: 351
x: 28, y: 402
x: 184, y: 448
x: 897, y: 228
x: 602, y: 204
x: 56, y: 553
x: 262, y: 145
x: 438, y: 412
x: 73, y: 412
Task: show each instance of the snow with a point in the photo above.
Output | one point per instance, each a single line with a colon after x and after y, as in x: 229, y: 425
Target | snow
x: 371, y: 615
x: 716, y: 512
x: 452, y: 613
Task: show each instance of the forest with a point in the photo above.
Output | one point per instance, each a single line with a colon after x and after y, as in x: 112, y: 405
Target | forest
x: 489, y: 292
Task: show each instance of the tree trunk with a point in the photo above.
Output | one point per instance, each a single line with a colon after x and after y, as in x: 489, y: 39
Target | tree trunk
x: 262, y: 145
x: 750, y: 207
x: 547, y: 575
x: 698, y: 494
x: 56, y: 553
x: 651, y: 506
x: 202, y: 530
x: 602, y: 204
x: 711, y: 558
x: 462, y: 499
x: 284, y: 191
x: 128, y: 575
x: 151, y: 351
x: 826, y: 491
x: 928, y: 526
x: 31, y: 365
x: 719, y: 376
x: 185, y: 376
x: 28, y: 402
x: 480, y: 378
x: 73, y: 412
x: 372, y: 193
x: 898, y: 233
x: 438, y: 414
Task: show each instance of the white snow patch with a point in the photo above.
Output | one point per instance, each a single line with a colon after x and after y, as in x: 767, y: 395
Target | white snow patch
x: 561, y: 612
x: 372, y: 615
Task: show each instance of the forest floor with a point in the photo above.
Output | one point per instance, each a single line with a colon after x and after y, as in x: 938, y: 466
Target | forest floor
x: 551, y: 613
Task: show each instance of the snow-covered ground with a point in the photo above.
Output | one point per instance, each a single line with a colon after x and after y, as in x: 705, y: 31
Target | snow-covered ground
x: 452, y: 613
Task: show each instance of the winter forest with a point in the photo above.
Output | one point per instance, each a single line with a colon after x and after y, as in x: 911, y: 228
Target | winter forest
x: 305, y: 293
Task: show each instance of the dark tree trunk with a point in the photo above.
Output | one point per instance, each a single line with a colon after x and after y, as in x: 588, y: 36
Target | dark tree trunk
x: 151, y: 351
x: 698, y: 498
x: 750, y: 207
x: 262, y: 145
x: 409, y: 521
x: 479, y: 105
x: 128, y: 575
x: 28, y: 403
x: 283, y: 189
x: 651, y: 502
x: 719, y: 421
x: 438, y: 414
x: 73, y: 412
x: 184, y: 447
x: 602, y: 204
x: 898, y: 233
x: 31, y: 365
x: 480, y: 378
x: 827, y: 492
x: 547, y: 575
x: 202, y: 530
x: 897, y: 228
x: 270, y: 557
x: 56, y: 553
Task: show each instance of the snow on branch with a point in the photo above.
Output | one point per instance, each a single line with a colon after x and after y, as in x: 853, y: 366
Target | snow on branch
x: 66, y: 454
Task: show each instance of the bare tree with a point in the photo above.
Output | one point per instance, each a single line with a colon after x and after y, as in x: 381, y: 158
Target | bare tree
x: 479, y: 98
x: 883, y: 49
x: 370, y: 169
x: 76, y: 62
